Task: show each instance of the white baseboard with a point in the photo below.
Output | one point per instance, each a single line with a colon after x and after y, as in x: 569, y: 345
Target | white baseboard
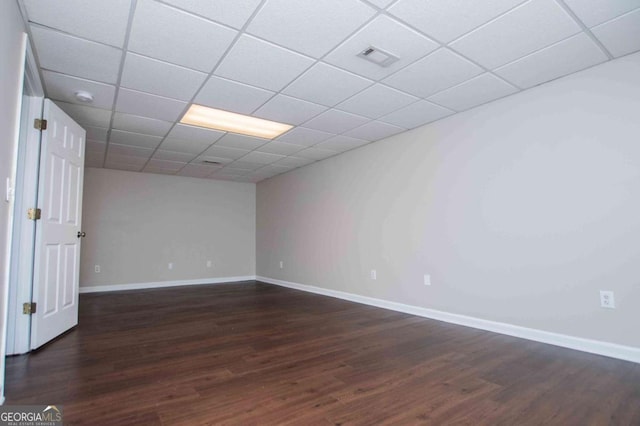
x: 162, y: 284
x: 627, y: 353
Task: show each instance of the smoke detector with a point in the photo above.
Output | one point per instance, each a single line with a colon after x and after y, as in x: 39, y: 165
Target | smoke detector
x: 84, y: 96
x: 378, y: 56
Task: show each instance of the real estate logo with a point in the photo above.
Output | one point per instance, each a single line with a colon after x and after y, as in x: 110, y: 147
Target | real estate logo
x: 31, y: 415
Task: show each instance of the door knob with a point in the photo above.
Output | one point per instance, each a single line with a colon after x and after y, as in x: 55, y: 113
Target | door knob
x: 82, y: 234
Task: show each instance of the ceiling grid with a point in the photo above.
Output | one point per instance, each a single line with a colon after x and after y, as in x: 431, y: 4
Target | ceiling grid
x: 296, y: 61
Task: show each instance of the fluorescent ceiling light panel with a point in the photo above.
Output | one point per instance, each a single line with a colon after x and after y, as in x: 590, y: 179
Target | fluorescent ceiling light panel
x: 217, y: 119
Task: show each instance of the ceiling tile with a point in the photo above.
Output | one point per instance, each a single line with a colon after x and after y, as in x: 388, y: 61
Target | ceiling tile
x: 97, y: 147
x: 621, y: 35
x: 196, y: 170
x: 272, y: 170
x: 184, y: 145
x: 225, y: 152
x: 438, y: 71
x: 326, y: 85
x: 446, y: 20
x: 233, y: 140
x: 230, y: 172
x: 212, y: 167
x: 304, y: 136
x: 334, y: 121
x: 261, y: 158
x: 341, y: 143
x: 208, y: 159
x: 276, y: 167
x: 243, y: 165
x: 160, y: 78
x: 376, y: 101
x: 263, y: 173
x: 159, y: 171
x: 234, y: 13
x: 594, y: 12
x: 286, y: 109
x: 278, y: 66
x: 227, y: 178
x: 568, y: 56
x: 166, y: 33
x: 87, y: 115
x: 125, y: 159
x: 257, y: 177
x: 173, y: 156
x: 476, y: 91
x: 155, y: 163
x: 123, y: 166
x: 147, y: 105
x: 316, y: 153
x: 294, y: 161
x: 135, y: 139
x: 63, y: 87
x: 196, y: 134
x: 381, y: 3
x: 231, y: 96
x: 388, y: 35
x: 75, y: 56
x: 416, y: 114
x: 104, y: 22
x: 96, y: 133
x: 138, y: 124
x: 374, y: 130
x: 309, y: 26
x: 281, y: 148
x: 128, y: 150
x: 525, y: 29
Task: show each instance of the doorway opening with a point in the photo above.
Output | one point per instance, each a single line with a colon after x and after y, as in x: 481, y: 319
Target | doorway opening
x: 45, y: 196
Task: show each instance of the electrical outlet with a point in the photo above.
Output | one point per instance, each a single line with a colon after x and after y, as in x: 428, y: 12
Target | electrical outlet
x: 607, y: 300
x: 170, y: 265
x: 427, y: 279
x: 209, y: 264
x: 97, y: 269
x: 281, y: 264
x: 374, y: 274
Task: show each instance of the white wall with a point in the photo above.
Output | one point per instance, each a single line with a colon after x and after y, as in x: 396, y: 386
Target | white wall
x: 136, y: 223
x: 521, y: 210
x: 11, y: 63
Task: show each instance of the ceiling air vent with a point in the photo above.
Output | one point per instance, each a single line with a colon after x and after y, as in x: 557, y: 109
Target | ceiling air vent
x: 211, y: 163
x: 378, y: 56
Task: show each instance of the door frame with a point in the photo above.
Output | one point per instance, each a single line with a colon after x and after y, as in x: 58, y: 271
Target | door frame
x: 25, y: 185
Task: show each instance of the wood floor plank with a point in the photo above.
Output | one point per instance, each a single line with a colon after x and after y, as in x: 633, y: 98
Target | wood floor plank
x: 253, y: 353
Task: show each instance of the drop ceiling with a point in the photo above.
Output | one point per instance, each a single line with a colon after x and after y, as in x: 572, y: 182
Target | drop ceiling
x: 296, y: 61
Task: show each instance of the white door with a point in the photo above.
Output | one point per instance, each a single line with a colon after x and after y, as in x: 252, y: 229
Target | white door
x: 57, y: 248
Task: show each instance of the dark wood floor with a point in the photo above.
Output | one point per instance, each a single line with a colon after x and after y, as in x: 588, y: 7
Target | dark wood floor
x: 254, y: 353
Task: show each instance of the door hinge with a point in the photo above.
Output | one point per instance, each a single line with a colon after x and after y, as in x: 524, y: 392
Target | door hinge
x: 29, y: 308
x: 40, y: 124
x: 34, y: 213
